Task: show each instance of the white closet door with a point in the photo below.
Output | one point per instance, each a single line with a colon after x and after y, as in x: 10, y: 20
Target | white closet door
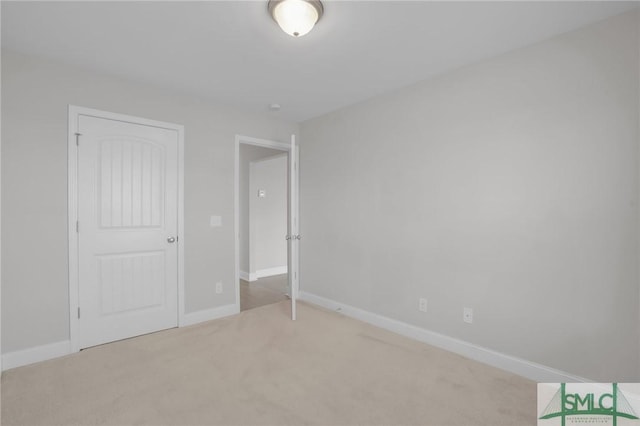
x: 127, y: 224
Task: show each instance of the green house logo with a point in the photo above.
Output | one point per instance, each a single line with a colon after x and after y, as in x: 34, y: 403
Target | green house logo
x: 588, y: 406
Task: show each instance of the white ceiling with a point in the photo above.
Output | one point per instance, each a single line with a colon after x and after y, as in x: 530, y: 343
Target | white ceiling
x: 232, y: 52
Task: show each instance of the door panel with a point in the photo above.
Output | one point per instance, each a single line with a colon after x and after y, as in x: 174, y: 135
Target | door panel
x: 130, y: 183
x: 127, y: 210
x: 127, y: 281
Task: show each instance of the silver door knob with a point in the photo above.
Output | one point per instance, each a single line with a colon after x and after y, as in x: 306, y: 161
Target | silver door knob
x: 171, y: 239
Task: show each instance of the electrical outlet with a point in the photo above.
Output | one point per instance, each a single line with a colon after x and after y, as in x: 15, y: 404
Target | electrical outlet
x: 467, y: 315
x: 422, y: 304
x: 218, y: 288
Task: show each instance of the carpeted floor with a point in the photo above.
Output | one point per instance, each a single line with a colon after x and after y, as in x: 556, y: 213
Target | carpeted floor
x: 261, y: 368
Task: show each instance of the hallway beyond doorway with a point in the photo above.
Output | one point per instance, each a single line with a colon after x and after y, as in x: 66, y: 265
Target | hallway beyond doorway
x: 264, y: 291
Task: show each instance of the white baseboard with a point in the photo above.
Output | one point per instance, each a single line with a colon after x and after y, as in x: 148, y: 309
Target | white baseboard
x: 244, y: 275
x: 35, y: 354
x: 247, y: 276
x: 261, y: 273
x: 521, y: 367
x: 209, y: 314
x: 269, y: 272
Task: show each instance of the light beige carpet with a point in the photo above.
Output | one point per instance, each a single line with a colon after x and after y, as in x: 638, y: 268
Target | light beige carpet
x: 259, y: 367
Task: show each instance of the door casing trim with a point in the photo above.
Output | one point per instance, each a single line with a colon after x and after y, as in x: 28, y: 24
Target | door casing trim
x: 72, y: 210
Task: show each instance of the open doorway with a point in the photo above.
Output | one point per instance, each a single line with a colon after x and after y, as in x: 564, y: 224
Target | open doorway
x: 263, y: 189
x: 267, y: 269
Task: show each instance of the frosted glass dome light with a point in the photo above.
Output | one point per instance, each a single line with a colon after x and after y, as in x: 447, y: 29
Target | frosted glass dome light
x: 295, y: 17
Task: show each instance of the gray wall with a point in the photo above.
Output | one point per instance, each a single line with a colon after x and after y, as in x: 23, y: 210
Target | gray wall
x: 248, y: 153
x: 269, y: 214
x: 509, y: 186
x: 35, y: 95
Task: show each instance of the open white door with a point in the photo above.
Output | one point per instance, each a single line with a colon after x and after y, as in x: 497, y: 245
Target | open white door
x: 294, y: 239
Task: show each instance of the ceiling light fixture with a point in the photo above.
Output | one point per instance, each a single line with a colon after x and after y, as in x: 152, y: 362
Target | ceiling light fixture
x: 296, y: 17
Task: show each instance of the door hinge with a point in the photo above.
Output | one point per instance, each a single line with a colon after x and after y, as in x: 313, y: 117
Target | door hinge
x: 78, y: 138
x: 78, y: 312
x: 77, y: 226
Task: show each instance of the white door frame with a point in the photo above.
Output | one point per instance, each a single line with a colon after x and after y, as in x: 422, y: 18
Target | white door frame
x: 72, y: 151
x: 246, y: 140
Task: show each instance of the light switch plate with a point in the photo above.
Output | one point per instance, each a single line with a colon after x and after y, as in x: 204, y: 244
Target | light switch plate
x: 215, y: 221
